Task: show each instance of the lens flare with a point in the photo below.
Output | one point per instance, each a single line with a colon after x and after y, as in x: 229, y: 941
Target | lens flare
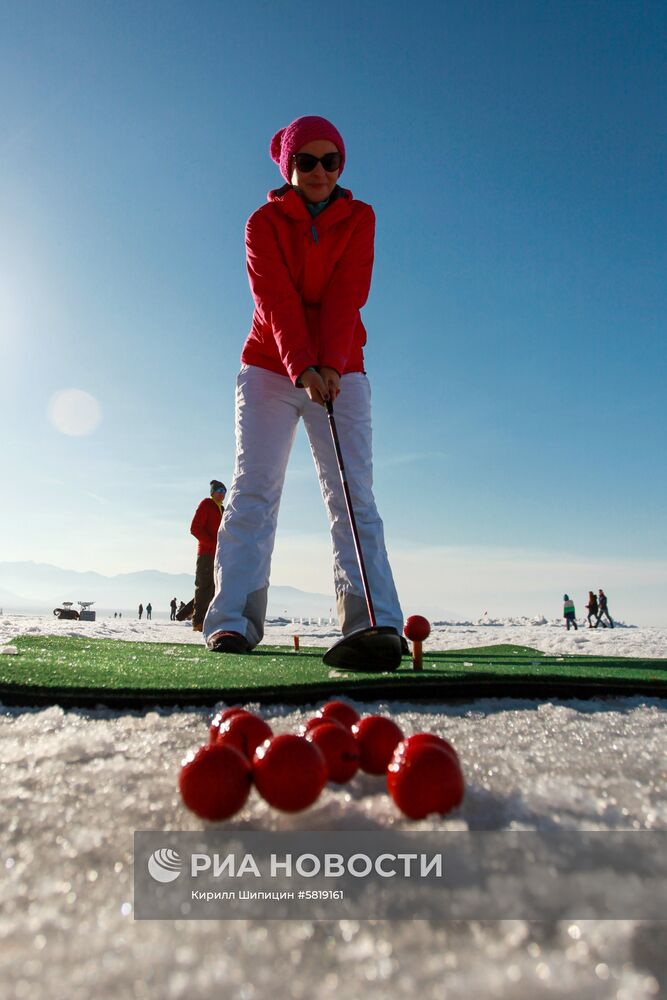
x: 74, y: 412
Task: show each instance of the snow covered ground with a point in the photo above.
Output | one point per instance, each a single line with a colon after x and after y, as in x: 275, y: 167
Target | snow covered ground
x: 77, y: 784
x: 548, y: 636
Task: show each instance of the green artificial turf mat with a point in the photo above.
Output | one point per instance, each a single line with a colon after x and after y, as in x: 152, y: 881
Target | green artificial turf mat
x: 73, y: 670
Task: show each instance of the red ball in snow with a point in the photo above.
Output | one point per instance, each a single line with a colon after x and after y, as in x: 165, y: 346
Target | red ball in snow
x: 245, y: 732
x: 341, y: 712
x: 339, y: 748
x: 317, y: 720
x: 377, y: 738
x: 417, y: 628
x: 215, y: 781
x: 424, y: 778
x: 425, y: 738
x: 220, y: 717
x: 289, y: 772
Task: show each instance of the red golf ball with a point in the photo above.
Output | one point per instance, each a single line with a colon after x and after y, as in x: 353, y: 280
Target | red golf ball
x: 377, y: 738
x: 245, y: 732
x: 339, y: 748
x: 425, y: 738
x: 424, y: 778
x: 215, y: 781
x: 219, y: 718
x: 341, y: 712
x: 289, y: 772
x: 319, y: 721
x: 417, y: 628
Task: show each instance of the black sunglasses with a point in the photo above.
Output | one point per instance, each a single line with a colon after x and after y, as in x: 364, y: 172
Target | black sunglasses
x: 306, y: 162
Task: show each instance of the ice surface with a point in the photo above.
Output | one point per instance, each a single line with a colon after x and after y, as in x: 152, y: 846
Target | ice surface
x: 77, y: 784
x: 549, y: 637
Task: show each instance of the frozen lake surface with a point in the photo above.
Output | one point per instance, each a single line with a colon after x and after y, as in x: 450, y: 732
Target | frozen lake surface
x: 548, y: 636
x: 77, y: 784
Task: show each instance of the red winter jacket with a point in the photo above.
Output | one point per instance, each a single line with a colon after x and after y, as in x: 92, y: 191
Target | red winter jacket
x: 205, y: 526
x: 309, y: 279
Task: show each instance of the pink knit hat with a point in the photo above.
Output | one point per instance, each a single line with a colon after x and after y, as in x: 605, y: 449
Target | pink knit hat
x: 289, y: 140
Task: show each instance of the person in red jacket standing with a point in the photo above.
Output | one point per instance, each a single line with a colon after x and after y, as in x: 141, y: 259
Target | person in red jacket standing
x: 204, y: 527
x: 309, y: 254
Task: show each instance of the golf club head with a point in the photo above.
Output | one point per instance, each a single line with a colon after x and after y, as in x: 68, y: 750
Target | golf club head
x: 372, y: 650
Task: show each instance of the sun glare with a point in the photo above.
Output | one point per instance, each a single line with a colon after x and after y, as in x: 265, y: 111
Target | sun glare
x: 74, y: 412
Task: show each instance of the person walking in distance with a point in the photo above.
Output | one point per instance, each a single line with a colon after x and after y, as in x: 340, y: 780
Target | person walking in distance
x: 309, y: 254
x: 149, y: 611
x: 592, y: 608
x: 603, y: 610
x: 569, y: 612
x: 204, y: 527
x: 141, y: 611
x: 172, y: 606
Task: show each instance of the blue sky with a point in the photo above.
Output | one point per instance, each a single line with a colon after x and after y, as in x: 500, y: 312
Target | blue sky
x: 515, y: 156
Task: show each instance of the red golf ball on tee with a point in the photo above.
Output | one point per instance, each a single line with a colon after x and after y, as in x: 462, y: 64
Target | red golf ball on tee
x: 289, y: 772
x: 377, y: 737
x: 215, y: 781
x: 417, y: 628
x: 424, y: 778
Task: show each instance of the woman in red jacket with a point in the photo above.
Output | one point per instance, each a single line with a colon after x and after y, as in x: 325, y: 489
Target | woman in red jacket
x: 310, y: 257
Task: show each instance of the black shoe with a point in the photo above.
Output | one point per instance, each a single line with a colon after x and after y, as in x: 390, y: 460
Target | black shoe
x: 405, y: 648
x: 370, y: 649
x: 228, y: 642
x: 185, y: 612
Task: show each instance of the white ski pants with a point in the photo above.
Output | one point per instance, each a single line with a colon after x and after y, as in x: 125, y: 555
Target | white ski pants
x: 268, y: 408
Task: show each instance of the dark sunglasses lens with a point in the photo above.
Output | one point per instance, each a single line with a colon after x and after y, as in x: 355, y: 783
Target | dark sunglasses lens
x: 331, y: 161
x: 306, y: 162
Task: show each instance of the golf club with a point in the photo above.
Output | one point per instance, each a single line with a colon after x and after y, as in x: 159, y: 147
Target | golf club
x: 376, y: 648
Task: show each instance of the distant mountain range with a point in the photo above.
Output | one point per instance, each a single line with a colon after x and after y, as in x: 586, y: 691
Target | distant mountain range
x: 39, y: 587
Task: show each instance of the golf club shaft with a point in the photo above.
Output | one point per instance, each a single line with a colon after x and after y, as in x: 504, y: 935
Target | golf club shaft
x: 350, y: 514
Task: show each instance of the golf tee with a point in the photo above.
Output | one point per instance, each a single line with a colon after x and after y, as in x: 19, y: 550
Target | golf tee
x: 416, y: 654
x: 296, y: 644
